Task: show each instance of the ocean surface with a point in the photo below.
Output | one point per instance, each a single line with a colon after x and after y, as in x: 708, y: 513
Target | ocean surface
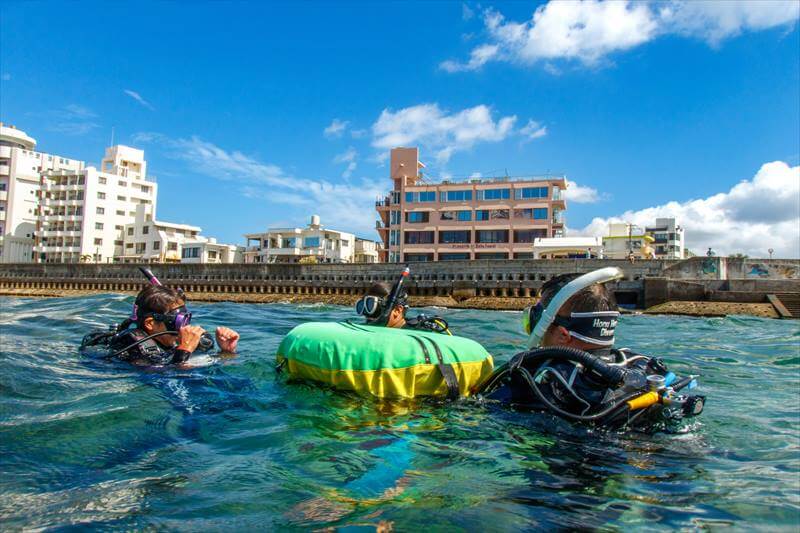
x: 232, y: 446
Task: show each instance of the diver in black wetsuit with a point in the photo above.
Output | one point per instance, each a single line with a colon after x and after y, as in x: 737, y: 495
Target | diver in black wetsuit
x: 159, y: 332
x: 387, y: 306
x: 573, y: 369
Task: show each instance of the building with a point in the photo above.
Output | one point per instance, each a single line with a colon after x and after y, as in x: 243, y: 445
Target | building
x: 626, y: 239
x: 204, y: 250
x: 291, y: 245
x: 668, y: 238
x: 83, y: 213
x: 366, y: 251
x: 21, y: 169
x: 568, y: 248
x: 491, y: 218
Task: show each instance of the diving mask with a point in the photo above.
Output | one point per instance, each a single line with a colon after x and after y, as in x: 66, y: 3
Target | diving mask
x: 175, y: 319
x: 370, y: 306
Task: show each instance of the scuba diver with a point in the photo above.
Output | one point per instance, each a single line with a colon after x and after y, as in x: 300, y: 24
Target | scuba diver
x: 573, y: 370
x: 385, y: 306
x: 159, y: 331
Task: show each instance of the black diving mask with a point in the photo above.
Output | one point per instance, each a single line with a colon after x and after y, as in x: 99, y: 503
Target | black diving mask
x: 175, y: 319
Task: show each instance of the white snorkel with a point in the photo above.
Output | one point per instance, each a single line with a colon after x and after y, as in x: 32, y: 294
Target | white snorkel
x: 567, y: 291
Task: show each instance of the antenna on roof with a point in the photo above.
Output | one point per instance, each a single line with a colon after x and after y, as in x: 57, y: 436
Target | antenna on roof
x: 112, y: 136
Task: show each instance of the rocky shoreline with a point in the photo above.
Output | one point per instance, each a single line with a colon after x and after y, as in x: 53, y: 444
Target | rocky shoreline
x: 686, y: 308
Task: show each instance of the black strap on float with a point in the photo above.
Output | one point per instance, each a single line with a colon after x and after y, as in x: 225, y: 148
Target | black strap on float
x: 448, y: 373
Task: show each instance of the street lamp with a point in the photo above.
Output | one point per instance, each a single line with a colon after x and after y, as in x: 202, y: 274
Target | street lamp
x: 770, y: 252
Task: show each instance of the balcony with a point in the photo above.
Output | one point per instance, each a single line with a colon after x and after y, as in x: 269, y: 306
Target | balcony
x: 5, y: 152
x: 385, y: 202
x: 4, y: 170
x: 3, y: 196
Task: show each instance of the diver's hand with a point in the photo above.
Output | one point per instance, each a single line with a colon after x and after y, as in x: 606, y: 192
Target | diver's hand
x: 227, y: 339
x: 189, y: 338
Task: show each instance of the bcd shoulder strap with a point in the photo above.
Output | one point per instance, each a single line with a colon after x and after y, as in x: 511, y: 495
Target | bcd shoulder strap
x: 448, y: 373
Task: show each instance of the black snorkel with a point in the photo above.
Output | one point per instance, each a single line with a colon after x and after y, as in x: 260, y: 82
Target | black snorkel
x: 391, y: 300
x: 150, y: 276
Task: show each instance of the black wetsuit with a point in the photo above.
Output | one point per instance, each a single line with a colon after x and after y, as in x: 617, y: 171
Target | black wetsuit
x: 572, y: 388
x: 150, y: 352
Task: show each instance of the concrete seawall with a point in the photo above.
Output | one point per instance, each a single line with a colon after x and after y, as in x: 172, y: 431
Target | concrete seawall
x: 496, y: 284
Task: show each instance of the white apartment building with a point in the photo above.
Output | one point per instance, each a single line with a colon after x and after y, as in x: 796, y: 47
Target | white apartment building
x: 668, y: 239
x: 291, y: 245
x: 21, y: 169
x: 83, y: 213
x: 366, y: 251
x: 568, y: 248
x: 148, y: 240
x: 624, y: 240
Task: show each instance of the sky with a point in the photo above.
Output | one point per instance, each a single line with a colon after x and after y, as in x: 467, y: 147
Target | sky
x: 257, y: 115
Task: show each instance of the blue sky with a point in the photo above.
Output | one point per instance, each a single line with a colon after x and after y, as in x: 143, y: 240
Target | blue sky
x: 640, y: 104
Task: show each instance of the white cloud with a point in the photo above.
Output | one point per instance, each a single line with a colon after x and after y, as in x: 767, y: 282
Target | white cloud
x: 533, y: 130
x: 336, y: 128
x: 346, y: 206
x: 348, y: 157
x: 442, y: 132
x: 138, y: 97
x: 750, y: 218
x: 588, y: 31
x: 581, y: 194
x: 716, y: 20
x: 73, y: 119
x: 466, y: 12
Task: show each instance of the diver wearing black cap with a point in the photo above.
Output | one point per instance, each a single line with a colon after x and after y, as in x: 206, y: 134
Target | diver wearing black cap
x: 159, y: 331
x: 573, y: 370
x: 385, y: 306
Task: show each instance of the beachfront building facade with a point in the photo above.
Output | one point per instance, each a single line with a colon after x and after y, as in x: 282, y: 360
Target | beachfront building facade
x: 21, y: 168
x: 626, y: 241
x: 668, y: 239
x: 568, y: 248
x: 479, y: 218
x: 366, y: 251
x: 82, y: 213
x: 314, y: 243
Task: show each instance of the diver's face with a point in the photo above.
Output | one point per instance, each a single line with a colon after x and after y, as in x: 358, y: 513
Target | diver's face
x: 153, y: 326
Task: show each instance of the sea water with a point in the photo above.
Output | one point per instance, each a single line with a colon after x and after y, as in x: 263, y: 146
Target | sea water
x: 231, y: 445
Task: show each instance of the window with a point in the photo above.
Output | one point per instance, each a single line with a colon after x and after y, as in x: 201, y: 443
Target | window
x: 130, y: 231
x: 491, y: 214
x: 394, y: 237
x: 540, y: 213
x: 528, y: 235
x: 311, y: 242
x: 530, y: 192
x: 394, y: 217
x: 415, y: 217
x: 118, y: 227
x: 455, y: 237
x: 192, y: 252
x: 345, y: 243
x: 454, y: 257
x: 212, y: 254
x: 101, y: 181
x: 424, y: 196
x: 172, y: 246
x: 2, y: 186
x: 419, y: 237
x: 118, y: 243
x: 101, y: 196
x: 101, y: 211
x: 129, y: 245
x: 141, y: 247
x: 145, y: 188
x: 455, y: 196
x: 461, y: 216
x: 122, y: 198
x: 290, y: 242
x: 494, y: 194
x: 145, y: 230
x: 482, y: 214
x: 491, y: 236
x: 418, y: 258
x: 98, y: 225
x: 491, y: 255
x: 120, y: 213
x: 122, y: 183
x: 157, y: 245
x: 98, y: 242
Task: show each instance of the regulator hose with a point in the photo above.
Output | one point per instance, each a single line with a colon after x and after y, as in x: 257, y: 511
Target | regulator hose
x: 613, y: 375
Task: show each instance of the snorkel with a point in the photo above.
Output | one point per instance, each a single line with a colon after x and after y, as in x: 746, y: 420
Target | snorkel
x: 149, y: 275
x: 391, y: 300
x: 550, y: 313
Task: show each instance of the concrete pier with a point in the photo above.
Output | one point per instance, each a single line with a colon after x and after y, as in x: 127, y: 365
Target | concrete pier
x: 496, y: 284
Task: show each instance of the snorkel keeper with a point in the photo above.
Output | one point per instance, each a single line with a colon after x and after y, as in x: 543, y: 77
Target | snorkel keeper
x: 537, y: 320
